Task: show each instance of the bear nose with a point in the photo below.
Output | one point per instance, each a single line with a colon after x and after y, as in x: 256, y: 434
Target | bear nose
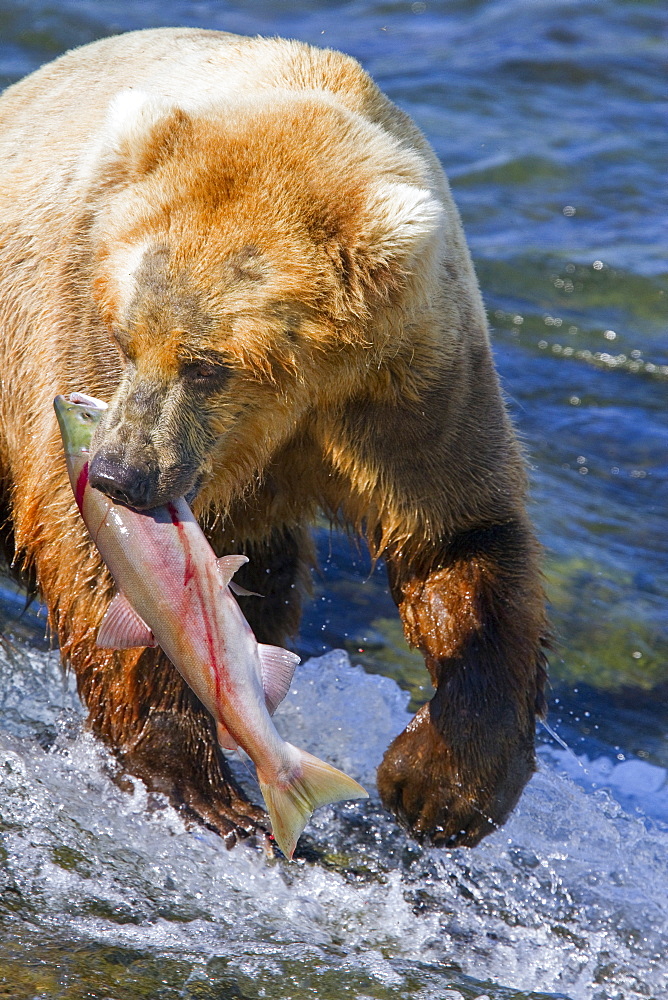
x: 126, y: 484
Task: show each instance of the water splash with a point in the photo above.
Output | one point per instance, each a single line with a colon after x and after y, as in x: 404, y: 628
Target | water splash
x: 555, y: 736
x: 568, y: 898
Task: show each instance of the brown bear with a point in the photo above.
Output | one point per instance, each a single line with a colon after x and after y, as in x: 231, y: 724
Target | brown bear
x: 246, y: 249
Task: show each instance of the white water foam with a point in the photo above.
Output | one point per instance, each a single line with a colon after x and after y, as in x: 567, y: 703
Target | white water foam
x: 569, y: 897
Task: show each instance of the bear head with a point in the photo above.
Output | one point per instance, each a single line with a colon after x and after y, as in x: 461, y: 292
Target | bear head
x: 256, y: 262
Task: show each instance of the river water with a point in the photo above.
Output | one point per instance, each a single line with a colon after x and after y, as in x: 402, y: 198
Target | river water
x: 549, y: 116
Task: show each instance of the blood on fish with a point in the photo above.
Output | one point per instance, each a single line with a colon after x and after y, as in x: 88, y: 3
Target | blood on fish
x: 188, y: 575
x: 82, y: 482
x: 189, y: 571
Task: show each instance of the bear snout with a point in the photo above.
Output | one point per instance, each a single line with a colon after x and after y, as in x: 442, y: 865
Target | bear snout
x: 131, y: 485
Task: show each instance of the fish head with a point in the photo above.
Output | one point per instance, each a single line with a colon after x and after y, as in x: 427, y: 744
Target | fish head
x: 78, y: 416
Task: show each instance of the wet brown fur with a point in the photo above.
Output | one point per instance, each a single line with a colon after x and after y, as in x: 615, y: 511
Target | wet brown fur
x: 301, y: 331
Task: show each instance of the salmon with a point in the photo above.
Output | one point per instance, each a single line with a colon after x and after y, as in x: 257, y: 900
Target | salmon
x: 174, y: 592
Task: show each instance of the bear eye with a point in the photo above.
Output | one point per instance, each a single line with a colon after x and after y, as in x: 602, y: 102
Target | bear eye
x: 209, y: 373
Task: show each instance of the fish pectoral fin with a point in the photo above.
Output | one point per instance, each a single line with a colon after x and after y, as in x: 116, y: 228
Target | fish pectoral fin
x: 225, y: 738
x: 122, y: 628
x: 228, y: 565
x: 278, y: 666
x: 241, y: 591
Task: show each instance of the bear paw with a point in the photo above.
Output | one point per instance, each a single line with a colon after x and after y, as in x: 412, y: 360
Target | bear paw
x: 453, y: 789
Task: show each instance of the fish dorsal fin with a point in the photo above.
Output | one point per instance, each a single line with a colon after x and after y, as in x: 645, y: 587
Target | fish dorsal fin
x: 278, y: 666
x: 241, y: 591
x: 122, y: 628
x: 225, y: 738
x: 228, y: 565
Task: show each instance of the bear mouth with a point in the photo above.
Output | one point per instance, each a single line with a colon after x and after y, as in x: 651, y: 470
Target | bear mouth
x: 192, y: 494
x: 145, y: 488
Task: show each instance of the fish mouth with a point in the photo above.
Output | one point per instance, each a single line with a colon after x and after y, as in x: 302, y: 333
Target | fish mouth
x: 78, y: 402
x: 83, y: 399
x: 78, y: 415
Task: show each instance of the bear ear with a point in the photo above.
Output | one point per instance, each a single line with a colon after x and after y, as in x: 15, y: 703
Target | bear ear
x: 402, y: 220
x: 395, y: 241
x: 406, y: 217
x: 140, y: 131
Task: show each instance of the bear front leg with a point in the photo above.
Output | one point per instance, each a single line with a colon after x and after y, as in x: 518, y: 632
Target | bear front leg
x: 474, y: 607
x: 139, y: 705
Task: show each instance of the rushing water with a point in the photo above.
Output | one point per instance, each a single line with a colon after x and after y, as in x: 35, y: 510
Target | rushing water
x: 548, y: 117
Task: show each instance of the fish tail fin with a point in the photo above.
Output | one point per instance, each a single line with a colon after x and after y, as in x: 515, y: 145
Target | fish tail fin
x: 312, y: 783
